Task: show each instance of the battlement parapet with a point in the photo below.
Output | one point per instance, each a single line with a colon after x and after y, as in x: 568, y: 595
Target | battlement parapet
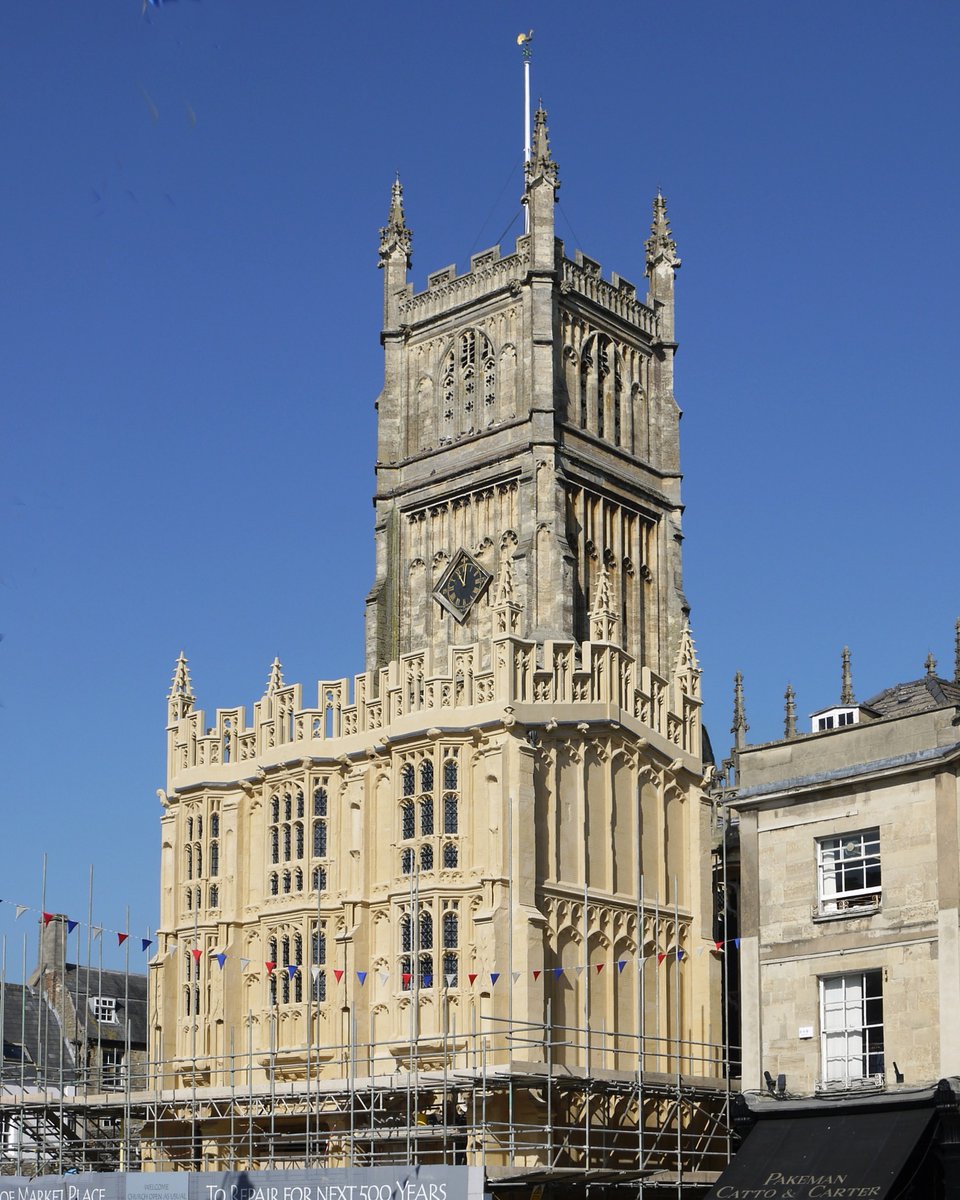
x: 617, y: 296
x: 552, y: 674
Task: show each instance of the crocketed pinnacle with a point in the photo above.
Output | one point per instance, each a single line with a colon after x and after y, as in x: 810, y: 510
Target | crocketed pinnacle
x: 275, y: 678
x: 846, y: 679
x: 739, y: 727
x: 660, y: 246
x: 395, y: 237
x: 789, y: 713
x: 541, y: 162
x: 930, y: 664
x: 180, y: 686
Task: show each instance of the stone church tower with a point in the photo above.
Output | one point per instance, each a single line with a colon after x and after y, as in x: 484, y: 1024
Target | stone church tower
x: 490, y: 852
x: 527, y: 429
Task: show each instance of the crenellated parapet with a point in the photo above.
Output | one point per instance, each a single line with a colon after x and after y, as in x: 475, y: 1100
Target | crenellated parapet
x: 550, y: 680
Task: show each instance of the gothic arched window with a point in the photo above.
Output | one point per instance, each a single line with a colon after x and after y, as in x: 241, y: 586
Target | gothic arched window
x: 468, y: 385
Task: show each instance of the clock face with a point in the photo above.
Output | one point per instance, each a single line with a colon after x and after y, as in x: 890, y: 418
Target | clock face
x: 461, y: 585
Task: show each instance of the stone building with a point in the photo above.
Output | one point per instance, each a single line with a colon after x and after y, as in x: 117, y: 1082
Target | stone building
x: 850, y: 939
x: 488, y: 857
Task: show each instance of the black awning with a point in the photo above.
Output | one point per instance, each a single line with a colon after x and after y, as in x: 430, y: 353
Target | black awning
x: 825, y: 1156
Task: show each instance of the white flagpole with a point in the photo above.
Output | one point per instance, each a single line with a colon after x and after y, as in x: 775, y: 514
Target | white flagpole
x: 524, y: 41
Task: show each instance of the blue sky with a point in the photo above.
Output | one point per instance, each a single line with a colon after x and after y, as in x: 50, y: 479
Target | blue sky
x: 190, y: 203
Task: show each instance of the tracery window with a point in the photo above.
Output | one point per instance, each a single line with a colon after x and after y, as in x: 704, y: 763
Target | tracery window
x: 468, y: 385
x: 318, y: 936
x: 417, y: 944
x: 425, y: 792
x: 601, y: 388
x: 320, y: 822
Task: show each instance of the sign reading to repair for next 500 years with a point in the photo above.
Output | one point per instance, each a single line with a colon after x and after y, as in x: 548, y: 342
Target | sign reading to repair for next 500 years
x: 337, y: 1183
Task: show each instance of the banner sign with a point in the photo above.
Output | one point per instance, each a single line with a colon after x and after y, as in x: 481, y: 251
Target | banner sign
x: 336, y: 1183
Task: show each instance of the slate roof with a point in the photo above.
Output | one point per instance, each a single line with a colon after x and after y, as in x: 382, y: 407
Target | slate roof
x: 917, y: 696
x: 32, y: 1035
x: 130, y: 993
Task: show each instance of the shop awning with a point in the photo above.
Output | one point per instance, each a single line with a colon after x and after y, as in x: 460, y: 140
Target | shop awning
x: 826, y: 1156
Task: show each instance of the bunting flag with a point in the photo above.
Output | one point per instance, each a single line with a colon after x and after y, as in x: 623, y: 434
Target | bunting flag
x: 406, y: 980
x: 21, y: 909
x: 718, y: 946
x: 494, y: 976
x: 292, y: 969
x: 146, y: 943
x: 736, y: 942
x: 71, y: 926
x: 599, y: 967
x: 197, y: 955
x: 579, y: 971
x: 47, y: 918
x: 221, y: 959
x: 362, y: 976
x: 660, y: 957
x: 680, y: 954
x: 172, y: 948
x: 621, y: 963
x: 97, y: 930
x: 451, y: 980
x: 314, y: 971
x: 557, y: 972
x: 337, y: 974
x: 121, y: 938
x: 383, y: 976
x: 244, y: 963
x: 428, y: 981
x: 516, y: 976
x: 536, y: 975
x: 472, y: 977
x: 270, y: 967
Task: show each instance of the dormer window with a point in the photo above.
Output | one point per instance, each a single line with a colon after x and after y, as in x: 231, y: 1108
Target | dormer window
x: 834, y: 718
x: 104, y: 1009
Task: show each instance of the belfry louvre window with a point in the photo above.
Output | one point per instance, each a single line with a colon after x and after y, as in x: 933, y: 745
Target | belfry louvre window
x: 851, y: 1029
x: 848, y: 872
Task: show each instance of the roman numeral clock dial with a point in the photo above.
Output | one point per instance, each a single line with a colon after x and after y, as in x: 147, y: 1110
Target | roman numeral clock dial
x: 461, y: 585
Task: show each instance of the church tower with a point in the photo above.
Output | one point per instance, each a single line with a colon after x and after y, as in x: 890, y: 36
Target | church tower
x: 487, y: 858
x: 528, y: 418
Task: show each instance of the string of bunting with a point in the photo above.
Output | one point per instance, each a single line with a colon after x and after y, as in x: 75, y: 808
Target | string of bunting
x: 449, y: 979
x: 96, y: 930
x: 427, y: 980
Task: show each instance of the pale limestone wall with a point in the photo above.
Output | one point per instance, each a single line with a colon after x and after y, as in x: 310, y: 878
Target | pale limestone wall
x: 555, y: 806
x: 912, y: 937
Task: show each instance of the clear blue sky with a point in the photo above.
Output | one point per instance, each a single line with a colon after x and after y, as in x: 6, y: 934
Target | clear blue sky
x: 189, y: 354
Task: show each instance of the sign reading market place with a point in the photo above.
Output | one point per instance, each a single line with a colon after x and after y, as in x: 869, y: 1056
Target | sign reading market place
x: 337, y: 1183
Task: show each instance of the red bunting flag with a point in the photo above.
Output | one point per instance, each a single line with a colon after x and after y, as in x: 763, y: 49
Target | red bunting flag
x: 270, y: 967
x: 337, y: 974
x: 406, y: 979
x: 661, y: 956
x: 718, y: 946
x: 537, y: 974
x: 121, y: 938
x: 599, y: 967
x: 196, y: 955
x: 472, y: 977
x: 47, y: 918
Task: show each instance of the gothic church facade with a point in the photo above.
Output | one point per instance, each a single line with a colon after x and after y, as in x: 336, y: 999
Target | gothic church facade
x: 492, y: 848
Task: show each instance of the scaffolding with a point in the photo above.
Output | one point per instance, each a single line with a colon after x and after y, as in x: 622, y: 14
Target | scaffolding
x: 502, y: 1099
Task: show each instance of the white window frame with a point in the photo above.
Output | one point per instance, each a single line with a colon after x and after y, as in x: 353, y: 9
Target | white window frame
x: 113, y: 1066
x: 104, y: 1009
x: 851, y: 1029
x: 858, y: 850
